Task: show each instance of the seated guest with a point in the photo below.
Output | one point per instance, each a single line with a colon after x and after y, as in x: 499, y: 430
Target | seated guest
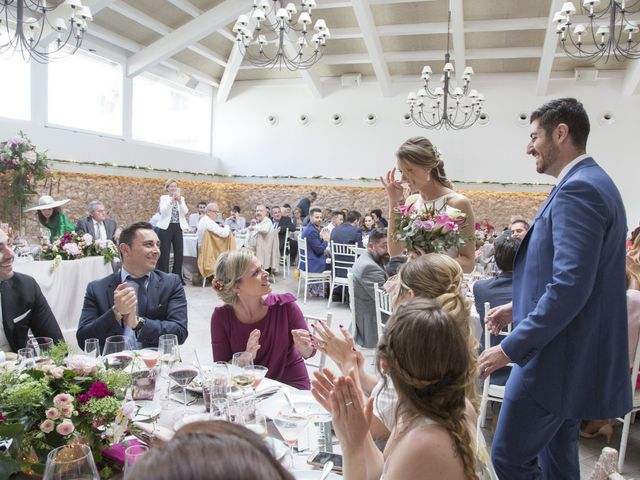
x: 348, y: 232
x: 297, y: 217
x: 367, y: 226
x: 423, y: 354
x: 379, y: 220
x: 212, y: 450
x: 153, y: 306
x: 22, y: 306
x: 337, y: 219
x: 97, y: 224
x: 519, y: 228
x: 194, y: 218
x: 286, y: 210
x: 282, y: 223
x: 208, y: 223
x: 51, y: 216
x: 317, y: 242
x: 305, y: 204
x: 260, y: 225
x: 367, y: 270
x: 497, y: 291
x: 270, y: 326
x: 234, y: 220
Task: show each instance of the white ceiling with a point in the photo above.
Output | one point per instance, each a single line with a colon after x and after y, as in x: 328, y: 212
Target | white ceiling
x: 382, y: 39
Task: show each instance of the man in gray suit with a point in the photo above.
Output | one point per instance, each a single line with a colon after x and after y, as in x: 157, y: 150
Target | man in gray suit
x: 367, y: 270
x: 97, y: 225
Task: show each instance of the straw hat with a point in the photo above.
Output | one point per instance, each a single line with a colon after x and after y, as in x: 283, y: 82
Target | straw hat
x: 46, y: 201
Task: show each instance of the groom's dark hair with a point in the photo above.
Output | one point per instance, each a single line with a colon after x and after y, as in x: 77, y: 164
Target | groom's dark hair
x: 568, y: 111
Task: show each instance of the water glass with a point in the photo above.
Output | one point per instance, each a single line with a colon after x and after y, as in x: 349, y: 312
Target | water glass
x: 219, y: 409
x: 216, y: 383
x: 117, y: 352
x: 167, y: 351
x: 41, y: 345
x: 92, y: 347
x: 253, y: 418
x: 242, y: 359
x: 131, y: 455
x: 71, y: 461
x: 26, y: 358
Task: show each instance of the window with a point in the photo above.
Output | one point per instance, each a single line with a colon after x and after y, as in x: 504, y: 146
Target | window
x: 169, y: 114
x: 85, y: 92
x: 15, y: 86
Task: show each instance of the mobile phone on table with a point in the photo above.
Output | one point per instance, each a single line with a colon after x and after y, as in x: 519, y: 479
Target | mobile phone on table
x: 319, y: 458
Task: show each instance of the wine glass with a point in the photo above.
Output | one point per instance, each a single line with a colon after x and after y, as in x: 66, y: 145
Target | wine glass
x: 26, y: 358
x: 183, y: 374
x: 216, y: 383
x: 219, y: 409
x: 167, y: 351
x: 71, y: 461
x: 258, y: 372
x: 290, y: 424
x: 131, y: 455
x: 240, y: 377
x: 117, y: 352
x: 150, y: 356
x: 92, y: 347
x: 41, y: 347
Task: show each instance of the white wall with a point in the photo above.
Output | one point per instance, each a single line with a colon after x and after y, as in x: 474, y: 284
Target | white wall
x: 245, y: 144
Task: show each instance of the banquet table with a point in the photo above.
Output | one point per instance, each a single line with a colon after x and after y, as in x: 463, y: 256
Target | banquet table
x: 64, y: 288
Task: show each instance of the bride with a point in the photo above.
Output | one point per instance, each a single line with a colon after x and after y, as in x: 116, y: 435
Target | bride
x: 422, y: 169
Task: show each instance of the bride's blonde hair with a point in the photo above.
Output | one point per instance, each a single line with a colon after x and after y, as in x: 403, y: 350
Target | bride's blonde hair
x: 420, y: 151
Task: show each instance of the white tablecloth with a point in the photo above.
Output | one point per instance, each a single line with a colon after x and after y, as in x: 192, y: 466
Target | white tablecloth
x: 64, y: 289
x: 190, y: 245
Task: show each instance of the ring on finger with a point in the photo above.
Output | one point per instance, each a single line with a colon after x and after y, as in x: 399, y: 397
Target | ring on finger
x: 348, y: 403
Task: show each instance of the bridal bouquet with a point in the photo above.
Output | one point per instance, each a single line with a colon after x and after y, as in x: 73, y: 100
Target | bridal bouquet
x: 73, y: 245
x: 430, y: 230
x: 66, y: 400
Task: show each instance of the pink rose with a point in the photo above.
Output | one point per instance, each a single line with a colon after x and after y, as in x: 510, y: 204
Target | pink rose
x: 67, y: 410
x: 47, y: 426
x: 65, y: 428
x: 57, y: 372
x: 52, y: 413
x: 62, y: 399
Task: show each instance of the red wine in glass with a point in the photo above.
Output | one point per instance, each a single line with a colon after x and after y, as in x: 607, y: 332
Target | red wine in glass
x: 118, y: 361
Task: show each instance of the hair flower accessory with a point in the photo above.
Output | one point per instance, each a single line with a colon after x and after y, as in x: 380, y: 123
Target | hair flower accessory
x: 218, y: 285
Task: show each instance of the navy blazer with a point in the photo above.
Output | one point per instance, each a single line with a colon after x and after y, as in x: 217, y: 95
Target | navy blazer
x: 569, y: 306
x: 284, y: 224
x: 350, y: 235
x: 166, y: 310
x: 315, y: 249
x: 24, y: 307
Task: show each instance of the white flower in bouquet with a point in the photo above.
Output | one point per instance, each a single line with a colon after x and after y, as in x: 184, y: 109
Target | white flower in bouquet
x: 82, y: 365
x: 72, y: 249
x: 30, y: 156
x: 87, y: 238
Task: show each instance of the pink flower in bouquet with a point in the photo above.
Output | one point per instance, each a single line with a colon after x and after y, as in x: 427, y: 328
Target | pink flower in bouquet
x: 57, y: 372
x: 47, y: 426
x: 82, y: 365
x: 87, y: 238
x: 2, y: 417
x: 405, y: 210
x: 52, y: 413
x: 72, y: 249
x: 99, y: 390
x: 82, y: 398
x: 65, y: 427
x: 101, y: 243
x: 450, y: 226
x: 442, y: 219
x: 66, y: 410
x: 62, y: 399
x: 423, y: 224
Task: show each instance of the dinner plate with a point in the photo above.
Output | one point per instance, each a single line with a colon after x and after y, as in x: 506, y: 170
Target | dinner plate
x: 302, y: 400
x: 313, y: 475
x: 147, y: 409
x: 196, y: 417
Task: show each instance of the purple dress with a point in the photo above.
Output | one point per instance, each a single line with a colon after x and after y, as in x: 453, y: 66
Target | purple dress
x: 277, y: 351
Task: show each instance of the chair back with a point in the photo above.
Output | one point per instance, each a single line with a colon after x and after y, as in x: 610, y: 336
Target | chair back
x: 321, y: 356
x: 383, y: 305
x: 352, y: 300
x: 284, y: 258
x: 359, y: 251
x: 302, y: 255
x: 241, y: 237
x: 343, y: 256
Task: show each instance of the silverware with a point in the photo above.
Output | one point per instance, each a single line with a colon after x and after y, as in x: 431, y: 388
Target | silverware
x: 287, y: 395
x: 326, y: 470
x: 269, y: 392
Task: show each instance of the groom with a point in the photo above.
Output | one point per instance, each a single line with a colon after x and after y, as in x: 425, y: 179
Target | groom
x: 569, y: 344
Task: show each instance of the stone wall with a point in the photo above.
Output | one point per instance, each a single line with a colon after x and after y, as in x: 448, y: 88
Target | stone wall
x: 129, y: 199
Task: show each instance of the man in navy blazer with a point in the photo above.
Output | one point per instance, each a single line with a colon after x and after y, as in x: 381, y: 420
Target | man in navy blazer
x: 316, y: 242
x: 569, y: 344
x: 138, y: 301
x: 348, y: 233
x: 23, y: 307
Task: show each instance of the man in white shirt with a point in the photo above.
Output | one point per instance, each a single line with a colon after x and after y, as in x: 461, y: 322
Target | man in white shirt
x: 194, y: 218
x: 208, y: 223
x: 97, y: 224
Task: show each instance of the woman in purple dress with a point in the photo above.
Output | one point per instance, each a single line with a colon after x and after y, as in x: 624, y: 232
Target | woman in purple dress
x: 270, y: 326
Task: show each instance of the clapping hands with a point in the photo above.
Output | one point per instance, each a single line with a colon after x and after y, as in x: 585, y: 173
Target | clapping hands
x: 253, y: 344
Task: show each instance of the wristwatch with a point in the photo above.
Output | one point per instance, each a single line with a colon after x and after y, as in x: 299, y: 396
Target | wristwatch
x: 139, y: 325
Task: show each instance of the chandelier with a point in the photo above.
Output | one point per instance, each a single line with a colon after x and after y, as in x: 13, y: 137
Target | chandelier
x: 449, y: 106
x: 271, y: 35
x: 40, y: 29
x: 610, y: 29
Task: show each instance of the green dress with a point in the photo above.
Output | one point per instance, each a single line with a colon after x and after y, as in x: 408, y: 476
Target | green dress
x: 59, y: 225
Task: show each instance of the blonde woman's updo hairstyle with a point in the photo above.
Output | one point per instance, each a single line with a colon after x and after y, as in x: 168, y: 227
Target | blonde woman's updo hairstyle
x: 169, y: 182
x: 230, y: 267
x: 430, y: 366
x: 421, y: 152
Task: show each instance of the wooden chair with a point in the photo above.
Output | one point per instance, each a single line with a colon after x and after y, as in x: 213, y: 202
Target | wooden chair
x: 343, y: 256
x: 309, y: 278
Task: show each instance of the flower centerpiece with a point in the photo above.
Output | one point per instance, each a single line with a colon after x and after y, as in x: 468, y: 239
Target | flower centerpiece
x: 69, y: 400
x: 26, y: 166
x: 74, y: 245
x: 429, y: 230
x: 484, y: 232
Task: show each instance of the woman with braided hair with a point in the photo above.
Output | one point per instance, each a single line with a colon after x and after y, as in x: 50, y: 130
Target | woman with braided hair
x: 423, y: 353
x: 423, y: 173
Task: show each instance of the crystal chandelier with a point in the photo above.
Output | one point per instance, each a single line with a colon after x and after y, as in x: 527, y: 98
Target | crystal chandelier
x: 449, y: 106
x: 610, y: 29
x: 264, y: 35
x: 40, y: 29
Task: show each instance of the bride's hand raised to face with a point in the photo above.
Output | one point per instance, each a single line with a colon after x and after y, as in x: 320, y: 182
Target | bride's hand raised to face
x: 394, y: 189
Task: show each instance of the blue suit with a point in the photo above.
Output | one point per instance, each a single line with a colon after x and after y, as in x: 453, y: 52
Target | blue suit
x: 315, y: 249
x: 347, y: 234
x: 165, y: 312
x: 569, y: 343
